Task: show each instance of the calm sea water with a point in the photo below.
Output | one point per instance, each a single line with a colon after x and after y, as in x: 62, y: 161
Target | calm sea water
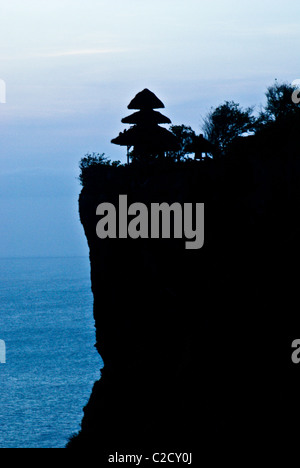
x: 46, y: 321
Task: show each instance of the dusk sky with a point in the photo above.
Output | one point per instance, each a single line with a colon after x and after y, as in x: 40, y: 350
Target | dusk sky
x: 71, y: 67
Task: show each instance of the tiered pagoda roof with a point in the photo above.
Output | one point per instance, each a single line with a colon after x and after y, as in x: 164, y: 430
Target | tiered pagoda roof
x: 147, y: 117
x: 146, y: 136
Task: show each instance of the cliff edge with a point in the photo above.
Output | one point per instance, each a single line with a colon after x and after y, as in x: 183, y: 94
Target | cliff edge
x: 195, y: 343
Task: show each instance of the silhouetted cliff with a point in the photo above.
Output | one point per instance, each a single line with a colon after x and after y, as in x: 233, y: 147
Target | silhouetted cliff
x: 197, y: 343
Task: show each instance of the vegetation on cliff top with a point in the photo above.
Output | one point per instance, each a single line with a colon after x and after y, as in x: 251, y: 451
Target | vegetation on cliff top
x: 223, y: 128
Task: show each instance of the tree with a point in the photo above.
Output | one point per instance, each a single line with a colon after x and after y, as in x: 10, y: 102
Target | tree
x: 185, y: 136
x: 91, y: 161
x: 280, y: 105
x: 227, y: 122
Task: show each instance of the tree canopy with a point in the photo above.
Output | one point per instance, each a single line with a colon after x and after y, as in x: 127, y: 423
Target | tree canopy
x: 185, y: 136
x: 225, y: 123
x: 90, y: 162
x: 280, y: 105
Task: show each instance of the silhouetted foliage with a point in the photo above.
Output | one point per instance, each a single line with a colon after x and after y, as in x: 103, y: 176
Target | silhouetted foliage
x: 90, y: 161
x: 185, y: 136
x: 223, y: 127
x: 279, y: 106
x: 227, y: 122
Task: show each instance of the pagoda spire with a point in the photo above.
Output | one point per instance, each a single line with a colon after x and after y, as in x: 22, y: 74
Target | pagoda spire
x: 145, y: 100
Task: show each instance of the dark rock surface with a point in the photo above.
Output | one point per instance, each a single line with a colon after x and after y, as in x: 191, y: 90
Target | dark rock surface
x: 197, y: 343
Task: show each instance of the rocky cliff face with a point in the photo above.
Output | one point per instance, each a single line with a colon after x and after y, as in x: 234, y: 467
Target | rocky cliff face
x: 195, y: 343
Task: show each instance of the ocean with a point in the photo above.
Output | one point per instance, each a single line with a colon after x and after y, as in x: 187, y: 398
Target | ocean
x: 46, y: 322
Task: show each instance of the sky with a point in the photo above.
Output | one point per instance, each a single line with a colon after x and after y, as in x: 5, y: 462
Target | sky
x: 70, y: 68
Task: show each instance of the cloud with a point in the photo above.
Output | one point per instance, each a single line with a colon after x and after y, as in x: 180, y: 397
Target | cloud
x: 62, y: 53
x: 70, y: 53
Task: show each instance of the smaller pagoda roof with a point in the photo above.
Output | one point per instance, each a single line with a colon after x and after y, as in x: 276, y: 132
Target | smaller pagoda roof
x: 156, y: 136
x: 145, y: 100
x: 146, y: 117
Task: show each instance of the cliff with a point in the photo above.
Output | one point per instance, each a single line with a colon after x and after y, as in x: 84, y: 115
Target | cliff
x: 196, y: 343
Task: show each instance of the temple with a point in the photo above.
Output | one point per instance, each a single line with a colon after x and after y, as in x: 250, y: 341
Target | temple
x: 146, y: 136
